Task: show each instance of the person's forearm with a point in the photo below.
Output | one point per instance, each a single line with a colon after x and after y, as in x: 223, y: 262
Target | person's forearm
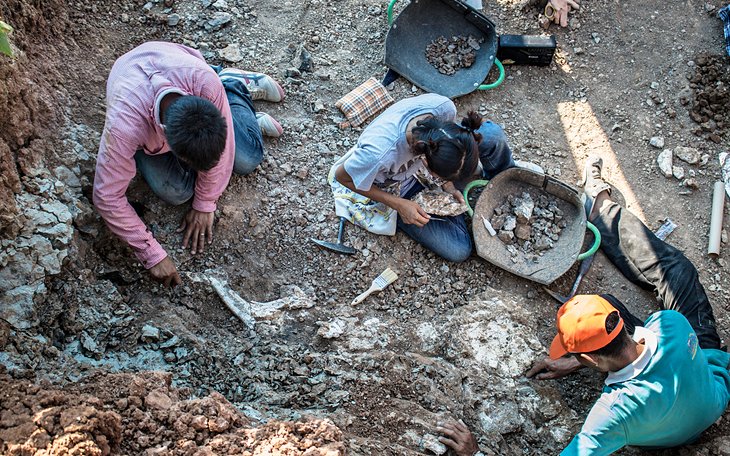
x: 375, y: 193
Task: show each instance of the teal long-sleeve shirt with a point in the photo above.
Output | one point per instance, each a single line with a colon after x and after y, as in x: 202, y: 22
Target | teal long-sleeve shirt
x: 666, y: 398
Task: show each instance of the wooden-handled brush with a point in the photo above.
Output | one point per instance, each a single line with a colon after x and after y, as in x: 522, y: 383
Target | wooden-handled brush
x: 383, y: 280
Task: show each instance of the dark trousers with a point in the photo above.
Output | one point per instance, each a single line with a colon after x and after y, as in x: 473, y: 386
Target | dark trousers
x: 656, y: 266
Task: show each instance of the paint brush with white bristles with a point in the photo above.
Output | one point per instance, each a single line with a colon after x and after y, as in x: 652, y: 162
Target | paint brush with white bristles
x: 383, y: 280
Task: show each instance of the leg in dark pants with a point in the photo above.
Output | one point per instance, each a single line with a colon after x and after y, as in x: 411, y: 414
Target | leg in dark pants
x: 249, y: 143
x: 657, y: 266
x: 450, y: 239
x: 494, y: 152
x: 170, y: 179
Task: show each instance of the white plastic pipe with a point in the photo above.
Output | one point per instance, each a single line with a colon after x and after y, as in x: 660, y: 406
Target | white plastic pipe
x: 718, y: 206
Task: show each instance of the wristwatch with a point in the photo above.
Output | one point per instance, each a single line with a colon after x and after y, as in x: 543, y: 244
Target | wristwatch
x: 479, y: 453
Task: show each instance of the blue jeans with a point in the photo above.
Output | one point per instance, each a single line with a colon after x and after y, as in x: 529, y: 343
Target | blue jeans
x: 451, y: 239
x: 494, y: 152
x: 448, y: 239
x: 174, y: 182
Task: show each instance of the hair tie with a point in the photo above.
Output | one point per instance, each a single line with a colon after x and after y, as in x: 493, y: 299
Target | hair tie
x: 445, y: 134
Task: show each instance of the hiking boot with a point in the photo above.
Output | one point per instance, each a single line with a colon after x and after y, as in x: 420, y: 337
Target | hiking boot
x: 261, y: 86
x: 269, y: 126
x: 593, y: 183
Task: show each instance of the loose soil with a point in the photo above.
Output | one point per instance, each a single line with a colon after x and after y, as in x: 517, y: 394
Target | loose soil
x: 444, y: 341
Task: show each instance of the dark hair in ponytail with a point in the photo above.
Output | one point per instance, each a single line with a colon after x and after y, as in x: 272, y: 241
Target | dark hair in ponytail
x: 451, y: 150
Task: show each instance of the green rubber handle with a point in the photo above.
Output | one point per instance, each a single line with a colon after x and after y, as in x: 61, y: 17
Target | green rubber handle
x: 596, y: 242
x: 499, y: 80
x: 390, y: 11
x: 467, y: 189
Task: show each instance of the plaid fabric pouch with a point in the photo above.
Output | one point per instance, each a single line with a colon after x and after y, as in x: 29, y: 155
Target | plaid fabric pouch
x: 724, y: 15
x: 363, y: 102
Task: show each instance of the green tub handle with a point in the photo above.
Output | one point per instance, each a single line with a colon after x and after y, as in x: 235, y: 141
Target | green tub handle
x: 390, y: 11
x: 499, y: 80
x: 468, y: 188
x: 596, y: 242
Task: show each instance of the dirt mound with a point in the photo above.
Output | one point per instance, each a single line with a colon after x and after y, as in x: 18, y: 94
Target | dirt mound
x: 143, y: 414
x: 28, y: 118
x: 711, y: 85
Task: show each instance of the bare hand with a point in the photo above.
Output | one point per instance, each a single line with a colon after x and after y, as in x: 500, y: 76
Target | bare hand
x: 412, y: 213
x: 448, y: 187
x: 165, y: 273
x: 547, y: 368
x: 562, y: 8
x: 458, y: 438
x: 197, y: 226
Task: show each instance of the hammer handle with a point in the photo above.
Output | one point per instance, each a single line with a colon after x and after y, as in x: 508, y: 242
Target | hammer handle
x: 341, y: 231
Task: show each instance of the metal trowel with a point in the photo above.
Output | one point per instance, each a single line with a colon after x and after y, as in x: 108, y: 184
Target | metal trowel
x: 339, y: 246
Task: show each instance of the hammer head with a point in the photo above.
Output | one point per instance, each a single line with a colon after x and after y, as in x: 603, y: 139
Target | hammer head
x: 335, y: 247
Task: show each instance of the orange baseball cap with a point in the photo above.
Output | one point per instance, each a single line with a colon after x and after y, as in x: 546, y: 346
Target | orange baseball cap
x: 581, y: 326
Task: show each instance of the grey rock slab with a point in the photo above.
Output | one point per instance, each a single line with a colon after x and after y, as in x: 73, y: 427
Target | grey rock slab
x: 687, y: 154
x: 664, y: 160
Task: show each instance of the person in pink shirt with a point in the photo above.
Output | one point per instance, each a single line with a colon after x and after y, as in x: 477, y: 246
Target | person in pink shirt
x: 185, y: 126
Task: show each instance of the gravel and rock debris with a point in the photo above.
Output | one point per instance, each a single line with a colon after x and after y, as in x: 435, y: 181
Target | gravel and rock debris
x: 528, y: 225
x: 445, y: 341
x: 449, y: 55
x: 711, y: 96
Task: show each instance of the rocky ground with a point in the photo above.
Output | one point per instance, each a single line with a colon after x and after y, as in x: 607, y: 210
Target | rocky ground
x: 82, y: 326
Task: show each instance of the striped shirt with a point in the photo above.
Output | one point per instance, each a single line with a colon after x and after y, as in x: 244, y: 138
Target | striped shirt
x: 137, y: 82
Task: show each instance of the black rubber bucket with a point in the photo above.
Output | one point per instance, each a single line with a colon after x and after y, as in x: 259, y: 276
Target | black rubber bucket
x: 423, y: 21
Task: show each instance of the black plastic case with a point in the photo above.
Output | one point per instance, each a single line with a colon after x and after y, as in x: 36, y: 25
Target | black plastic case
x: 526, y: 49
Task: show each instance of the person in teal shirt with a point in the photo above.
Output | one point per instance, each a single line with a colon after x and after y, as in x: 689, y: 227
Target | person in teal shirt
x: 668, y: 377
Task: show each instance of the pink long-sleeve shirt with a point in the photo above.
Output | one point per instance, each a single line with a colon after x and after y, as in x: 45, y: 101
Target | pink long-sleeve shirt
x: 138, y: 81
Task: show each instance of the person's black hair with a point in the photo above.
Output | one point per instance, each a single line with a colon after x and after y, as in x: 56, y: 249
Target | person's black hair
x: 195, y: 131
x: 619, y: 343
x: 451, y: 150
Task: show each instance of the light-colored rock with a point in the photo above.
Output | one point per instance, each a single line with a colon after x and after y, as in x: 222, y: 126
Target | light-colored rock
x: 150, y: 333
x: 218, y: 425
x: 691, y: 183
x: 431, y: 443
x: 157, y: 399
x: 664, y: 160
x: 18, y: 305
x: 678, y: 172
x: 510, y: 222
x: 67, y: 176
x: 219, y: 19
x: 199, y: 423
x: 657, y: 141
x: 331, y: 329
x: 523, y: 210
x: 687, y: 154
x: 231, y: 53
